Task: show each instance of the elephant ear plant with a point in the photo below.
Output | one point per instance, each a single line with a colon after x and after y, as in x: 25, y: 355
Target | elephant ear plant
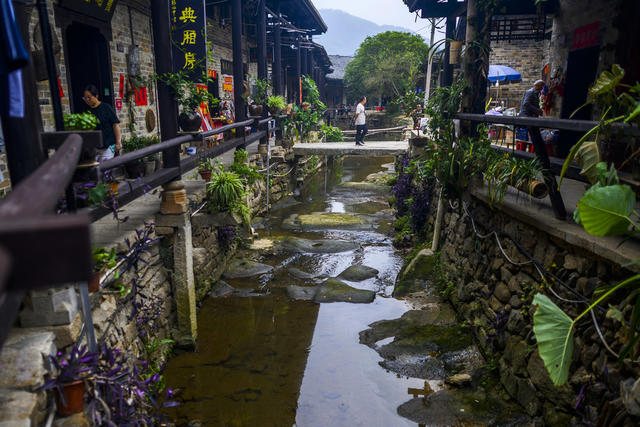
x: 605, y: 209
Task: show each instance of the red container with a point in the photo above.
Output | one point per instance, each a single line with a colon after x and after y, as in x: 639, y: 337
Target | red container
x: 73, y: 395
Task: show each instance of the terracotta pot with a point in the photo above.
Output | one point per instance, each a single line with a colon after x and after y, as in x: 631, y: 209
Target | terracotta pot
x: 73, y: 396
x: 255, y: 110
x: 94, y: 284
x: 189, y: 122
x: 113, y: 187
x: 206, y: 175
x: 305, y: 107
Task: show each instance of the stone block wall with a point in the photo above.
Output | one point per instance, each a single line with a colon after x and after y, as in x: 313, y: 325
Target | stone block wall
x: 494, y: 296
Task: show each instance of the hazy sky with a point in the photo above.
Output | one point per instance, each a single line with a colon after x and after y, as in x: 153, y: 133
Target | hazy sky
x: 389, y: 12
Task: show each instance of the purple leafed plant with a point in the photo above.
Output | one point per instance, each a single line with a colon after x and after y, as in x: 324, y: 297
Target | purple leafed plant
x: 75, y: 366
x: 226, y: 236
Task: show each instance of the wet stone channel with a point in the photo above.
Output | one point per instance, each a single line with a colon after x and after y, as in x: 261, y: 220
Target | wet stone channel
x: 303, y: 330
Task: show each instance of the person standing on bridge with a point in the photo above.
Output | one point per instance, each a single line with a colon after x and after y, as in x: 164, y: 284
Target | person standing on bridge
x: 360, y: 119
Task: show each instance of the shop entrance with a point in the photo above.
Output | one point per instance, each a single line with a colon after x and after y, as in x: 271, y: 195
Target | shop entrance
x: 89, y: 62
x: 582, y: 69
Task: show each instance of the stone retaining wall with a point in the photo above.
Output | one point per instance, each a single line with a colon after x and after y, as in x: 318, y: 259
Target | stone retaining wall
x: 494, y: 297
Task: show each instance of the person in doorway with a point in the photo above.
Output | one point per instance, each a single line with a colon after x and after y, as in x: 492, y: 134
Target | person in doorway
x: 360, y: 119
x: 109, y: 123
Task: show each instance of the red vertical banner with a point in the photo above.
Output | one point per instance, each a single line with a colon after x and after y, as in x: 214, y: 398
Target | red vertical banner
x: 141, y: 95
x: 300, y: 84
x: 121, y: 87
x: 60, y: 92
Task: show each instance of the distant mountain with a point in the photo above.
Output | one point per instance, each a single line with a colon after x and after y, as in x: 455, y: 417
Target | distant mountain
x: 346, y: 32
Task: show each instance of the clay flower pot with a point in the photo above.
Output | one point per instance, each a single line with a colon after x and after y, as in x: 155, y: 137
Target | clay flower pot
x: 206, y: 175
x: 73, y: 396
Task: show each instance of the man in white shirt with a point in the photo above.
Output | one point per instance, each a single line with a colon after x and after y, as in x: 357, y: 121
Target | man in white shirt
x: 361, y: 121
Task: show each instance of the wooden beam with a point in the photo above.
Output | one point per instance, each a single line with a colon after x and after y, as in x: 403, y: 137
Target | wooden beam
x: 432, y: 9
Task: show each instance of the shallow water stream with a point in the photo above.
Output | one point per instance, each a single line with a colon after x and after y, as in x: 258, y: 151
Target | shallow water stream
x: 265, y: 359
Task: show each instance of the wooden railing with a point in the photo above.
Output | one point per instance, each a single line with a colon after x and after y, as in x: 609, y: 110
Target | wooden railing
x: 139, y: 187
x: 552, y: 166
x: 38, y: 248
x: 31, y: 234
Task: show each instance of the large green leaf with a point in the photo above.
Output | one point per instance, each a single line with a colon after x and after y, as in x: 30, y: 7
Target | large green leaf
x: 554, y: 333
x: 604, y: 211
x: 588, y: 156
x: 607, y: 82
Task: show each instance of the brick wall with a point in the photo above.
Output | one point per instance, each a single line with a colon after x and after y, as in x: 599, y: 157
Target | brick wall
x: 525, y: 56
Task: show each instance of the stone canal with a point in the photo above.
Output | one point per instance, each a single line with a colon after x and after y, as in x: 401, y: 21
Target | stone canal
x: 303, y: 328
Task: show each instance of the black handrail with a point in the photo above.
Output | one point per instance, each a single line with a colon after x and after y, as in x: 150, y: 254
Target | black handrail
x: 226, y: 128
x: 144, y: 152
x: 548, y: 123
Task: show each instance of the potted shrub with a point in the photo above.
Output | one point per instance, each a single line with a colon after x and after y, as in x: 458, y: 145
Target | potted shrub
x: 276, y: 104
x: 136, y: 168
x: 189, y: 96
x: 103, y: 261
x: 205, y: 168
x: 305, y: 106
x: 83, y: 124
x: 69, y: 383
x: 260, y: 97
x: 152, y: 161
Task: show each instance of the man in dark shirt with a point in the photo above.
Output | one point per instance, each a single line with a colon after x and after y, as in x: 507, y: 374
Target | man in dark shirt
x: 530, y: 105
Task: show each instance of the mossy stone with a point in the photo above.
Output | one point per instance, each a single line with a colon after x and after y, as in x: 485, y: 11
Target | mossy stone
x: 358, y: 273
x: 329, y: 220
x: 333, y: 290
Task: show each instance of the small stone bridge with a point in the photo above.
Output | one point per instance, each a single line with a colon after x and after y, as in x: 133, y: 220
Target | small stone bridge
x: 371, y: 148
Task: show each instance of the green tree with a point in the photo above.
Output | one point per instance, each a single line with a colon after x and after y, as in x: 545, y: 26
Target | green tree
x: 386, y: 65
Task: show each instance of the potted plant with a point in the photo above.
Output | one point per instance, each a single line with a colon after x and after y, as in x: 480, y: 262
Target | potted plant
x: 69, y: 383
x: 136, y: 168
x: 83, y: 124
x: 103, y: 261
x: 189, y: 96
x: 205, y: 168
x: 305, y: 106
x: 259, y: 98
x: 276, y: 104
x: 152, y: 161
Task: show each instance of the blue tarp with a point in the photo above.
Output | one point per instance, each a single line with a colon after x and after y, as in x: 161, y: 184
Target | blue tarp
x: 503, y: 73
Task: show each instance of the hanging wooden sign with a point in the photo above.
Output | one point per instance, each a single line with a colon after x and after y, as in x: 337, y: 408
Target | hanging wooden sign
x: 99, y: 9
x: 188, y: 37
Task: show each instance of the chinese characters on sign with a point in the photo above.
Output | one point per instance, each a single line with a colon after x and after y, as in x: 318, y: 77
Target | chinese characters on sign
x: 100, y: 9
x: 586, y: 36
x: 188, y: 36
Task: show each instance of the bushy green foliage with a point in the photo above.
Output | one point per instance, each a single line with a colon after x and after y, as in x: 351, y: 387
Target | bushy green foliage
x: 82, y: 121
x: 186, y: 92
x: 276, y: 102
x: 136, y: 142
x: 224, y: 190
x: 332, y: 133
x: 386, y: 65
x: 247, y: 173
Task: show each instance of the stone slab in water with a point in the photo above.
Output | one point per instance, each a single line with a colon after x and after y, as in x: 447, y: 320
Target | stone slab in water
x: 323, y: 221
x: 240, y: 268
x: 334, y: 290
x: 358, y: 273
x: 364, y: 186
x: 318, y: 246
x: 414, y: 277
x: 221, y: 289
x: 302, y: 293
x: 299, y: 274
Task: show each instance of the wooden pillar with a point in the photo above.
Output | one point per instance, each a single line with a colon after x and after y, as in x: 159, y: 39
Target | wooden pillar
x: 296, y: 90
x: 238, y: 71
x: 277, y: 54
x: 22, y: 134
x: 447, y: 77
x: 167, y: 106
x: 262, y: 40
x: 304, y: 57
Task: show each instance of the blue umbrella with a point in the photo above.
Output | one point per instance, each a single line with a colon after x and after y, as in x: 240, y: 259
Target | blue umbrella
x: 502, y: 73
